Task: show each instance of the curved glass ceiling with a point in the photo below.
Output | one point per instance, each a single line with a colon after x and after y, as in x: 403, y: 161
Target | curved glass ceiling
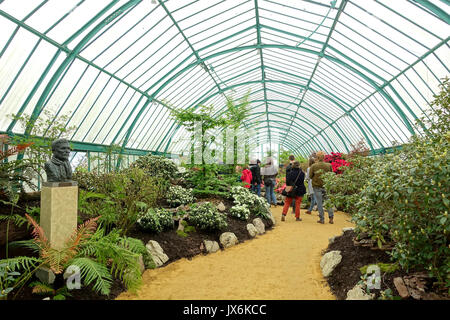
x: 321, y: 74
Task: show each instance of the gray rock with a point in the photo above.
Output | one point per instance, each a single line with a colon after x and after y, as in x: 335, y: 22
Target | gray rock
x: 157, y: 253
x: 45, y: 275
x: 228, y: 239
x: 259, y: 225
x: 252, y: 231
x: 331, y: 240
x: 221, y: 207
x: 358, y: 293
x: 329, y: 261
x: 348, y: 229
x: 272, y: 218
x: 211, y: 246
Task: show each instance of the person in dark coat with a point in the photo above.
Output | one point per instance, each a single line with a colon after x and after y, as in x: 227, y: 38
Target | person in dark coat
x: 288, y: 169
x: 256, y: 177
x: 295, y: 176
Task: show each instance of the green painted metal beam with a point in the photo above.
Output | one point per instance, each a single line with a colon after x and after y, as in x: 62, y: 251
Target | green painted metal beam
x: 441, y: 14
x: 79, y: 146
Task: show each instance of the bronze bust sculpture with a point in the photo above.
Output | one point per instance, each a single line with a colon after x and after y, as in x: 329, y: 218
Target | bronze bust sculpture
x: 58, y: 169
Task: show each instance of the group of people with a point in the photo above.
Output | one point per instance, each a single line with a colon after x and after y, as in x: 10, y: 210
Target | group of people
x: 253, y: 175
x: 295, y: 177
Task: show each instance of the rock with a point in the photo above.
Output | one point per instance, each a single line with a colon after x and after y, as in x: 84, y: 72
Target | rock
x: 331, y: 240
x: 211, y: 246
x: 259, y: 225
x: 228, y: 239
x: 48, y: 298
x: 401, y: 287
x: 157, y: 253
x: 358, y: 293
x: 329, y: 261
x: 221, y: 207
x: 45, y: 275
x: 272, y: 218
x: 252, y: 231
x: 348, y: 229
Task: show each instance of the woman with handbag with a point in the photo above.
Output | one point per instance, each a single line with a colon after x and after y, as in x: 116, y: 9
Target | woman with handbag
x: 270, y: 172
x: 295, y: 189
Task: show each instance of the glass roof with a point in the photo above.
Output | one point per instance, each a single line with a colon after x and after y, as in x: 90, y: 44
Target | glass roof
x: 321, y: 74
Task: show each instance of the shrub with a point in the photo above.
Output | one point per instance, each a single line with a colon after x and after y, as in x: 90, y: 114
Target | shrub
x: 256, y: 205
x: 126, y: 195
x: 177, y: 196
x: 406, y: 199
x: 155, y: 220
x: 240, y: 211
x: 156, y: 166
x: 343, y: 190
x: 205, y: 216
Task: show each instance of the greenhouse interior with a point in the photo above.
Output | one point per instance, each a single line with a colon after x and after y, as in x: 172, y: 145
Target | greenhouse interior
x: 224, y: 150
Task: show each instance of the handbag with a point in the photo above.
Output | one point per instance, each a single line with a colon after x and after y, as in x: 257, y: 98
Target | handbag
x: 292, y: 189
x: 267, y: 182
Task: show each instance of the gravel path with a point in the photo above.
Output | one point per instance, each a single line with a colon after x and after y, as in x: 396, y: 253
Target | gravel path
x: 282, y: 264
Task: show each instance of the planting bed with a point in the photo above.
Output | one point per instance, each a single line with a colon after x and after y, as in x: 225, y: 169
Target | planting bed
x: 347, y: 273
x: 174, y: 245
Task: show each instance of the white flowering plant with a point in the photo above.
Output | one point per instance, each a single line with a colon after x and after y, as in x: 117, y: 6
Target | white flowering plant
x: 240, y: 211
x: 177, y: 196
x: 205, y: 216
x: 256, y: 205
x: 155, y: 220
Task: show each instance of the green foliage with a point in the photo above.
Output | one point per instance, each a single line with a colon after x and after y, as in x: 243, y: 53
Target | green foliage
x: 177, y: 195
x: 344, y: 189
x: 155, y: 220
x: 206, y: 181
x: 406, y: 199
x: 384, y: 268
x: 7, y: 279
x: 244, y: 198
x: 120, y: 197
x: 156, y: 166
x: 240, y: 211
x: 118, y: 254
x: 205, y: 216
x: 186, y: 229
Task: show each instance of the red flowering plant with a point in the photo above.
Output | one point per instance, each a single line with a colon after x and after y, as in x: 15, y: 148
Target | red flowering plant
x: 337, y: 161
x: 281, y: 184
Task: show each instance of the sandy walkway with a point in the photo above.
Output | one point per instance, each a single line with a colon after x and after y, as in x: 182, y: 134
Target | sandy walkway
x: 281, y: 264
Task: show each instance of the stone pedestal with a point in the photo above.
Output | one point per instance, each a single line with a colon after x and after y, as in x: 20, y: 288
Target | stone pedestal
x: 59, y: 204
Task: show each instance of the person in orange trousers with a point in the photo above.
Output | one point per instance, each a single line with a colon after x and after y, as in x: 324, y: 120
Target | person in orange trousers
x: 295, y: 178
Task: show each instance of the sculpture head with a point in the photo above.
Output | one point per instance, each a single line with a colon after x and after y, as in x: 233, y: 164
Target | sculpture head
x: 61, y: 149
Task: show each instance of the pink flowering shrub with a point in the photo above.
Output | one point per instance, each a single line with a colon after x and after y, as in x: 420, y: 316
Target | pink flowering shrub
x: 336, y: 160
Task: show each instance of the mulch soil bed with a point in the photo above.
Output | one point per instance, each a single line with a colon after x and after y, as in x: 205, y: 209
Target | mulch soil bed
x: 347, y: 273
x: 175, y: 246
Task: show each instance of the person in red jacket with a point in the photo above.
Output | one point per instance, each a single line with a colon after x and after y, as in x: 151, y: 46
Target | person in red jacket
x: 246, y: 177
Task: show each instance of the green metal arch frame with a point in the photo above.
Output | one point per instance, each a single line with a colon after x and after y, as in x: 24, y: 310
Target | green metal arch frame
x: 310, y: 110
x: 131, y: 3
x: 38, y: 109
x: 313, y: 52
x: 296, y: 126
x: 288, y: 83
